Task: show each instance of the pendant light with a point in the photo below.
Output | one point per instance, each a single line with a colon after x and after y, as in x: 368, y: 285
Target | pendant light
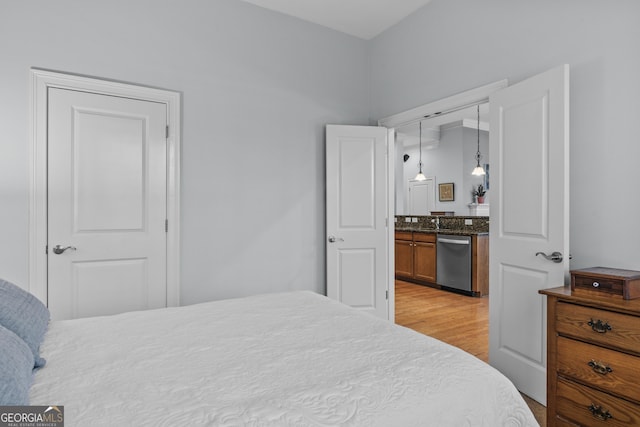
x: 420, y: 176
x: 478, y: 170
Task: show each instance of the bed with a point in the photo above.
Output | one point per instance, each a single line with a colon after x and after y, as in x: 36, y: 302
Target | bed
x: 283, y: 359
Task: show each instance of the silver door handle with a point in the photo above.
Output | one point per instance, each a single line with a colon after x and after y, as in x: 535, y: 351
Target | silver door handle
x: 333, y: 239
x: 58, y: 249
x: 555, y: 257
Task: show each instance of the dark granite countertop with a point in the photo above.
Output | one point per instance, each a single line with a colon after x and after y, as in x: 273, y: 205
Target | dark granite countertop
x: 458, y: 225
x: 457, y: 232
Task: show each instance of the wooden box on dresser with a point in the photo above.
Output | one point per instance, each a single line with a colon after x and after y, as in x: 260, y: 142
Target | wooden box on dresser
x: 593, y: 359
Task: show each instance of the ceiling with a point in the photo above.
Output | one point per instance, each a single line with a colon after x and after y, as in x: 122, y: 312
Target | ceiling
x: 432, y: 126
x: 360, y: 18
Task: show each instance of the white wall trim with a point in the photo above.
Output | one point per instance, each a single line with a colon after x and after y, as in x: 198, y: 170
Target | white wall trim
x: 391, y: 238
x: 40, y: 81
x: 469, y: 97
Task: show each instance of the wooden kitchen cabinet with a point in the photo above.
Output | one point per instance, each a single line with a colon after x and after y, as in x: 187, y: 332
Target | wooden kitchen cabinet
x: 416, y: 259
x: 480, y: 265
x: 593, y: 354
x: 424, y: 257
x: 404, y: 254
x: 415, y: 256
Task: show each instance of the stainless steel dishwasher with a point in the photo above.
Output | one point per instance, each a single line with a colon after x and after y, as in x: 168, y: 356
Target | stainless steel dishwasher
x: 454, y: 262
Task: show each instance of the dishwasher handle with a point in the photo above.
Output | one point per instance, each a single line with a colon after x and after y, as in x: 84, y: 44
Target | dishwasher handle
x: 454, y: 241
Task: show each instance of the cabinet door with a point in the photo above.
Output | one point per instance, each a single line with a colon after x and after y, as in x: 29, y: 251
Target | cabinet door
x: 480, y: 265
x: 404, y: 258
x: 425, y: 261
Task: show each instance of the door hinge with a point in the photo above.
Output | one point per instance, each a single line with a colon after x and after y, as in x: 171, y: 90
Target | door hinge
x: 386, y: 294
x: 166, y: 132
x: 166, y: 225
x: 46, y: 249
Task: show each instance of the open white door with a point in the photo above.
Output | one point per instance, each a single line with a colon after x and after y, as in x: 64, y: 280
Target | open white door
x: 529, y: 214
x: 357, y: 217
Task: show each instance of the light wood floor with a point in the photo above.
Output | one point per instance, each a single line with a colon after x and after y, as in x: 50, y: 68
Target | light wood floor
x: 456, y: 319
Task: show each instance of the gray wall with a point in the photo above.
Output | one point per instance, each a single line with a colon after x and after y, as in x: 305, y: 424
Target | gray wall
x: 258, y: 88
x: 452, y: 161
x: 470, y: 144
x: 456, y: 45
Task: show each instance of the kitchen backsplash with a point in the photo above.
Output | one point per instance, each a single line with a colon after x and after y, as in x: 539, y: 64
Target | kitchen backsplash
x: 428, y: 222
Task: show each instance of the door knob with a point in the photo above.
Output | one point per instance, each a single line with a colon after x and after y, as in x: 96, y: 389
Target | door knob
x: 58, y: 249
x: 555, y: 257
x: 333, y: 239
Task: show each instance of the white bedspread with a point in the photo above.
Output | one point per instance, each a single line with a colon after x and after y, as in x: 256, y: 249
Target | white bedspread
x: 289, y: 359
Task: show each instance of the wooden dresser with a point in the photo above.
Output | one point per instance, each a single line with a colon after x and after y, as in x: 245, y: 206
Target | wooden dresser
x: 593, y: 359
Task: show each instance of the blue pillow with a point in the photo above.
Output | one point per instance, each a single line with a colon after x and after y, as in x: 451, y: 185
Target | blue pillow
x: 25, y: 316
x: 16, y: 369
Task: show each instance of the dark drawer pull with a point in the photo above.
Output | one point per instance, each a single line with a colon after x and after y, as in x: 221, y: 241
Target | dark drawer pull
x: 599, y: 367
x: 599, y: 413
x: 598, y: 326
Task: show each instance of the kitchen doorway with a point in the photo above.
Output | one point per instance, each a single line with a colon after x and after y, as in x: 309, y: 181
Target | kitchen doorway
x: 447, y: 110
x: 531, y: 121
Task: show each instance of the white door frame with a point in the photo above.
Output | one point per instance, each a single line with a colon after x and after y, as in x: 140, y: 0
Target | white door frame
x: 467, y: 98
x: 391, y: 238
x: 39, y: 83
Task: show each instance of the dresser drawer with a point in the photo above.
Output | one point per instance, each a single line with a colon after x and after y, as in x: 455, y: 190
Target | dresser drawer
x: 561, y: 422
x: 599, y: 326
x: 590, y: 407
x: 599, y: 367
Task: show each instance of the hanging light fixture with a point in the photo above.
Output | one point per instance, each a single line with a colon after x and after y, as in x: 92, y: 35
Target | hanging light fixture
x: 420, y: 176
x: 478, y: 170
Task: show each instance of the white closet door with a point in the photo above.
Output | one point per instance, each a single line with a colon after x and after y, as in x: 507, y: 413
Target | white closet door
x: 107, y: 186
